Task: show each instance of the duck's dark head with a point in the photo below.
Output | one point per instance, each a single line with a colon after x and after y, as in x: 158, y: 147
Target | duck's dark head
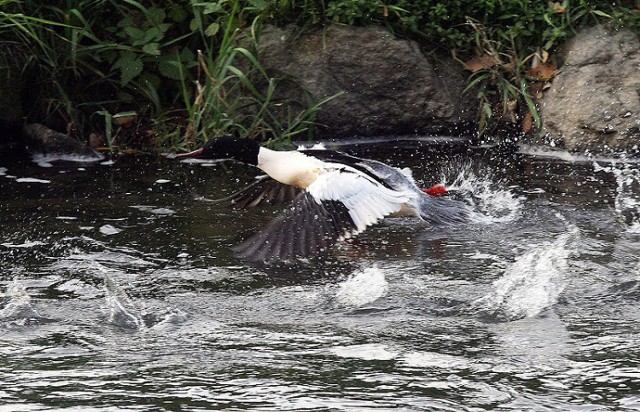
x: 225, y: 147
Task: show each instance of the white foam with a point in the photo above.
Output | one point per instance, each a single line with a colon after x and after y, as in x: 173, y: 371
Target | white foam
x: 627, y: 200
x: 27, y: 244
x: 202, y: 162
x: 109, y: 230
x: 434, y: 360
x: 362, y: 288
x: 490, y: 203
x: 31, y: 180
x: 154, y: 210
x: 82, y: 289
x: 572, y: 157
x: 19, y: 305
x: 367, y: 351
x: 3, y: 171
x: 45, y: 160
x: 634, y: 228
x: 533, y: 282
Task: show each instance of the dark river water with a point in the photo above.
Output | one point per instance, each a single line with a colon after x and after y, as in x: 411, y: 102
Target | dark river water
x: 118, y: 291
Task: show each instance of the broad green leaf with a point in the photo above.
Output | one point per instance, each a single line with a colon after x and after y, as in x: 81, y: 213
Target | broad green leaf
x: 188, y: 58
x: 134, y: 33
x: 259, y: 4
x: 177, y: 13
x: 194, y: 24
x: 126, y: 21
x: 170, y: 69
x: 152, y: 49
x: 210, y: 8
x: 156, y: 15
x: 212, y: 29
x: 152, y: 35
x: 164, y: 27
x: 130, y: 67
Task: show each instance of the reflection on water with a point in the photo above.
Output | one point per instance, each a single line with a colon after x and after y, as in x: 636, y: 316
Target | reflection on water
x: 118, y: 291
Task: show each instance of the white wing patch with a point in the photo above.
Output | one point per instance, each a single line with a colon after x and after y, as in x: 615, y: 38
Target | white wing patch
x: 407, y: 172
x: 366, y: 200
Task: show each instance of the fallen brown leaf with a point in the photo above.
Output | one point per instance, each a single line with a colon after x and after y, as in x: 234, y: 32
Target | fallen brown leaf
x: 541, y: 76
x: 556, y: 7
x: 543, y: 71
x: 124, y: 121
x: 484, y: 61
x: 527, y: 123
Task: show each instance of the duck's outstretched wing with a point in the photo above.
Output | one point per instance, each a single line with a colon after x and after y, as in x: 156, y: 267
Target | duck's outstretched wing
x: 263, y: 190
x: 307, y: 228
x: 336, y: 205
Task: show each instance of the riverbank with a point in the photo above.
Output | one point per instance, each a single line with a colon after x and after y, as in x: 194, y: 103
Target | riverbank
x: 121, y: 77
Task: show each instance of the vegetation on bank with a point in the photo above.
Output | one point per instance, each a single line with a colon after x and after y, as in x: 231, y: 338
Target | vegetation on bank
x: 146, y: 74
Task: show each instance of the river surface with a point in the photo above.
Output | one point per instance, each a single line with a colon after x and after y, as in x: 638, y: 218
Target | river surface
x: 118, y: 291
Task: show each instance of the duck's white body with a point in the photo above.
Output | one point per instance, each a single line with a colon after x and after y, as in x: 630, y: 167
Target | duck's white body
x: 290, y: 167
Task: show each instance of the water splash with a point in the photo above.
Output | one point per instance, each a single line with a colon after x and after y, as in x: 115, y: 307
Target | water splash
x: 25, y: 245
x: 627, y: 200
x: 533, y: 282
x: 46, y: 160
x: 15, y: 304
x: 120, y: 306
x: 367, y: 351
x: 490, y: 202
x: 362, y: 288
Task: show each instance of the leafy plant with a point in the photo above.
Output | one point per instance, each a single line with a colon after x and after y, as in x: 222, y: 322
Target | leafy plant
x: 238, y: 97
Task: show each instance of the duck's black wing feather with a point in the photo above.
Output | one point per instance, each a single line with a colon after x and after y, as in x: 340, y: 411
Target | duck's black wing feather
x: 306, y: 229
x: 263, y: 190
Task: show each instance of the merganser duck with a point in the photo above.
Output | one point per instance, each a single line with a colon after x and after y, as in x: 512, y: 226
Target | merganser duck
x: 334, y: 196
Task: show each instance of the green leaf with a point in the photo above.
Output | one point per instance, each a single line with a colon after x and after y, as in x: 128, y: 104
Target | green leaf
x: 601, y: 13
x: 169, y: 69
x: 156, y: 15
x: 210, y: 8
x: 486, y: 108
x: 130, y: 67
x: 173, y: 66
x: 259, y: 4
x: 530, y: 103
x: 134, y: 33
x: 188, y: 58
x: 152, y: 49
x: 126, y: 21
x: 177, y: 13
x: 194, y: 24
x: 151, y: 35
x: 212, y: 29
x: 164, y: 27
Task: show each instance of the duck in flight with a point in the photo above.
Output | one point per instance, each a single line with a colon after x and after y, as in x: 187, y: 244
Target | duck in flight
x: 333, y: 196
